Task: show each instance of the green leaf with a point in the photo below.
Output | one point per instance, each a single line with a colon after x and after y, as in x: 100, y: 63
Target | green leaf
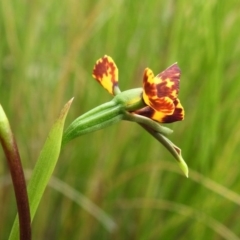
x: 98, y: 118
x: 44, y: 167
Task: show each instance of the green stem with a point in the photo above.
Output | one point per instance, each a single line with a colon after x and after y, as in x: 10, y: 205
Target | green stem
x: 131, y: 100
x: 148, y: 122
x: 172, y: 148
x: 14, y: 162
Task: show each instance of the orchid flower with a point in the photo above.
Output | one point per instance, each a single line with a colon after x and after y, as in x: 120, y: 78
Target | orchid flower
x: 155, y: 103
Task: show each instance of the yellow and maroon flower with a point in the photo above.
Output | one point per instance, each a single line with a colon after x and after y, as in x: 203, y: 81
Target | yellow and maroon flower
x: 159, y: 92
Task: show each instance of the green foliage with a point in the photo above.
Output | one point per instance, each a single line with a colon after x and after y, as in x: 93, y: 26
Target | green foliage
x: 48, y: 49
x: 44, y: 167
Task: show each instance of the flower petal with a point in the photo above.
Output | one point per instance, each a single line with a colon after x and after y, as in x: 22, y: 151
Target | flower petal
x: 164, y: 86
x: 177, y: 115
x: 168, y: 82
x: 159, y: 116
x: 151, y: 113
x: 105, y: 72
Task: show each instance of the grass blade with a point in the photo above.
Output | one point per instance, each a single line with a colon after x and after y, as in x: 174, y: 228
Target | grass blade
x: 44, y: 167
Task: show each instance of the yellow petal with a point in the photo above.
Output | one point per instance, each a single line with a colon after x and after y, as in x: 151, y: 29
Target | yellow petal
x: 105, y: 72
x: 165, y: 84
x: 163, y: 103
x: 177, y: 115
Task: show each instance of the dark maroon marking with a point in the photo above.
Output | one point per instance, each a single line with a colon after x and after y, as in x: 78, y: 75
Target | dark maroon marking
x: 177, y: 115
x: 173, y: 74
x: 178, y: 151
x: 162, y: 106
x: 102, y: 67
x: 146, y: 111
x: 164, y: 91
x: 150, y: 89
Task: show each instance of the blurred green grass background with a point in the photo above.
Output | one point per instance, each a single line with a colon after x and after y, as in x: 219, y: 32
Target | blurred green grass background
x: 48, y: 49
